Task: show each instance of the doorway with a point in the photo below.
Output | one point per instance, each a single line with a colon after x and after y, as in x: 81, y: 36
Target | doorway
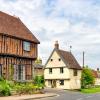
x: 53, y: 83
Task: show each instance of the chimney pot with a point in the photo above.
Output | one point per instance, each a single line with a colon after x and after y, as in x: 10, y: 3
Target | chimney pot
x: 98, y: 69
x: 56, y: 45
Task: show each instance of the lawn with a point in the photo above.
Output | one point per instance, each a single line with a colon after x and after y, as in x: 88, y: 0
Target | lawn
x: 91, y: 90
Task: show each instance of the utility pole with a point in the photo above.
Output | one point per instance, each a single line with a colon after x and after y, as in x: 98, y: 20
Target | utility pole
x: 83, y: 58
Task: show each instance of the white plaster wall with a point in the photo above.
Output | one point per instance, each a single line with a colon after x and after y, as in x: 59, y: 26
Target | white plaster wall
x: 55, y: 62
x: 56, y: 74
x: 75, y: 81
x: 97, y: 81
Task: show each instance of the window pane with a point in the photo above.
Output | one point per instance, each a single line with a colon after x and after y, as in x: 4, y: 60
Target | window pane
x: 61, y: 70
x: 61, y: 82
x: 26, y: 46
x: 50, y: 70
x: 75, y: 72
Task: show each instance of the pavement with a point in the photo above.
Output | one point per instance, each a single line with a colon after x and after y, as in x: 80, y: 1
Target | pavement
x: 28, y: 97
x: 55, y: 94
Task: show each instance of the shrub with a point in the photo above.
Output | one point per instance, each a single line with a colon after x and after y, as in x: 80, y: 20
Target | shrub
x: 5, y: 89
x: 26, y: 88
x: 39, y: 80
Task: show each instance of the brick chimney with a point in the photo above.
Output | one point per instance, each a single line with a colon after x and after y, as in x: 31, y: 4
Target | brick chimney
x: 56, y: 45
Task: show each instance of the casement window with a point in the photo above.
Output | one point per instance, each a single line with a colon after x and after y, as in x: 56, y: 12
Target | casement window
x: 26, y: 46
x: 61, y: 82
x: 75, y: 72
x: 50, y: 70
x: 0, y: 70
x: 61, y: 70
x: 15, y: 76
x: 19, y: 72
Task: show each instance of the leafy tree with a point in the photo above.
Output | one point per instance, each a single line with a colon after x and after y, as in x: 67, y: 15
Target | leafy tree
x: 38, y: 61
x: 87, y: 78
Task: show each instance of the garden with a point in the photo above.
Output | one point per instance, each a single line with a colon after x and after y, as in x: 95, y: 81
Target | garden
x: 8, y: 88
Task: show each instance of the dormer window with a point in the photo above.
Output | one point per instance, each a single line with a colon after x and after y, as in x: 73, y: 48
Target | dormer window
x: 51, y: 59
x: 26, y: 46
x: 59, y: 59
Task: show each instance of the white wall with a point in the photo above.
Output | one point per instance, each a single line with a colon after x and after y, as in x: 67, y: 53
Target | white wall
x: 65, y: 86
x: 56, y: 74
x: 75, y: 81
x: 55, y: 62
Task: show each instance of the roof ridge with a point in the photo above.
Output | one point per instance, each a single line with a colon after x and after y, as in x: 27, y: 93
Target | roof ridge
x: 14, y: 16
x: 65, y: 51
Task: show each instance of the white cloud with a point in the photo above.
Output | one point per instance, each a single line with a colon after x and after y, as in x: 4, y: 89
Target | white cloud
x: 72, y: 22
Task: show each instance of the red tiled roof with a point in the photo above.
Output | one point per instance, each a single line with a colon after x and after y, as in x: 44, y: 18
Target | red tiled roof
x: 13, y: 26
x: 69, y: 59
x: 96, y: 74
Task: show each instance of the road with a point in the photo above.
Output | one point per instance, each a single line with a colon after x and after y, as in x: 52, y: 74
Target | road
x: 70, y: 95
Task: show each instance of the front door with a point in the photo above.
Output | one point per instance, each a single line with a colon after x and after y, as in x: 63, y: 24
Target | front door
x: 53, y: 83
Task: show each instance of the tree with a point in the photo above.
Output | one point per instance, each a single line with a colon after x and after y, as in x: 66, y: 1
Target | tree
x: 38, y: 61
x: 87, y: 78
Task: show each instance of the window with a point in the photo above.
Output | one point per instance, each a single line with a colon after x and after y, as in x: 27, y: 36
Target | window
x: 61, y: 70
x: 61, y: 82
x: 75, y: 72
x: 26, y: 46
x: 59, y: 59
x: 19, y: 72
x: 49, y: 82
x: 51, y: 59
x: 50, y: 70
x: 0, y: 70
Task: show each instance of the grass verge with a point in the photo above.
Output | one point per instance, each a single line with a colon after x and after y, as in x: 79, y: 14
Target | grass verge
x: 91, y: 90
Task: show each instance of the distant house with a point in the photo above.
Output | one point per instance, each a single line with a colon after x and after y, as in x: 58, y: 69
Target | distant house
x: 18, y: 49
x: 62, y: 70
x: 38, y: 70
x: 96, y: 74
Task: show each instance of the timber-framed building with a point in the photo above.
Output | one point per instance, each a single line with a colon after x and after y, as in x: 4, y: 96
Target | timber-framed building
x: 18, y: 49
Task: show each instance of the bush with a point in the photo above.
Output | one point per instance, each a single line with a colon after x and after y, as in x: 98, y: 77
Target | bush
x: 26, y: 88
x: 39, y: 80
x: 5, y: 89
x: 8, y: 88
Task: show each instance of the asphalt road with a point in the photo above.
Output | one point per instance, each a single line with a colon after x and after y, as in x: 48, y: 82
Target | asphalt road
x: 69, y: 95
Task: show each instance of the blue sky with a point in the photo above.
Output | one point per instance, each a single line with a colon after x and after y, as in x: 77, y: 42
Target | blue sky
x: 71, y: 22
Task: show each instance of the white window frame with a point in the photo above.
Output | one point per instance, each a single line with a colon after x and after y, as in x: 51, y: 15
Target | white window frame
x: 26, y: 46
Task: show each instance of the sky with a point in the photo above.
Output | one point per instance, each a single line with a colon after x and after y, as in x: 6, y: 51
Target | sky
x: 71, y: 22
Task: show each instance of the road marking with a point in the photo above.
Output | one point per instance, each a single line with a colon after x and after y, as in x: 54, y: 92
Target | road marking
x: 89, y: 96
x: 80, y: 99
x: 85, y: 97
